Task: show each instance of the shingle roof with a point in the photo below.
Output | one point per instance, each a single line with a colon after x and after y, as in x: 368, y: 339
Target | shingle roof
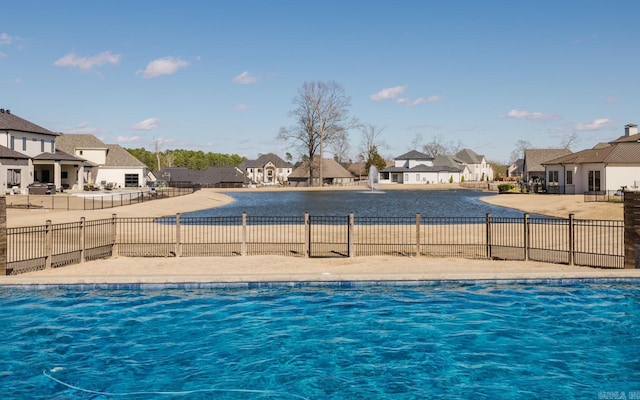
x: 469, y: 156
x: 534, y: 158
x: 414, y: 155
x: 264, y: 160
x: 447, y: 161
x: 12, y: 122
x: 626, y: 139
x: 59, y: 155
x: 211, y: 176
x: 69, y: 142
x: 119, y: 157
x: 6, y: 152
x: 330, y: 169
x: 616, y: 153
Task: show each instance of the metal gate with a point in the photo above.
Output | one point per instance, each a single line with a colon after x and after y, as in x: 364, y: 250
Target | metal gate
x: 329, y: 236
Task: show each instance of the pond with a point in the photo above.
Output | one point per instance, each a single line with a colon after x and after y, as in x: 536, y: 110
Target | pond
x: 394, y: 203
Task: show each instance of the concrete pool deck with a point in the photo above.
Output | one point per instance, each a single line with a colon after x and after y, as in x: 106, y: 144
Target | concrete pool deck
x: 297, y: 269
x: 125, y: 270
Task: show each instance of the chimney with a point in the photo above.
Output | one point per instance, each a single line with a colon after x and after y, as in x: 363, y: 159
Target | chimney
x: 8, y: 111
x: 1, y: 110
x: 630, y: 129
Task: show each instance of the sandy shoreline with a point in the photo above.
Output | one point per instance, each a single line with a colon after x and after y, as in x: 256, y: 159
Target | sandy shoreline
x: 297, y: 269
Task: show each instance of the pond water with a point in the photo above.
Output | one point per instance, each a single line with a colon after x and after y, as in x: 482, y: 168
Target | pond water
x: 395, y: 203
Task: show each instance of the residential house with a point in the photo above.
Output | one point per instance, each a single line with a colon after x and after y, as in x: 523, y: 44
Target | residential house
x: 532, y: 167
x: 332, y: 174
x: 479, y: 168
x: 213, y: 177
x: 514, y: 171
x: 28, y: 154
x: 105, y: 165
x: 268, y: 169
x: 604, y: 168
x: 415, y: 167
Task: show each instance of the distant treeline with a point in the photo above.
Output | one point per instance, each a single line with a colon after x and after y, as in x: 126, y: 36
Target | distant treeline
x: 185, y: 158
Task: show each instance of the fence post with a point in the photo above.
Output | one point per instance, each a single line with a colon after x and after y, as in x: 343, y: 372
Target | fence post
x: 526, y: 236
x: 572, y: 239
x: 82, y: 239
x: 307, y: 235
x: 3, y: 236
x: 115, y: 240
x: 244, y: 233
x: 631, y: 230
x: 488, y: 229
x: 178, y: 249
x: 418, y: 243
x: 48, y: 244
x: 350, y: 235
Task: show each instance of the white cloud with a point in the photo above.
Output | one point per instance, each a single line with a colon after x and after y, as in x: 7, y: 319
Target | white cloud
x: 389, y: 93
x: 594, y: 125
x: 522, y: 114
x: 242, y: 107
x: 83, y: 127
x: 147, y: 124
x: 88, y: 63
x: 612, y: 99
x: 127, y: 139
x: 164, y: 66
x: 2, y: 55
x: 245, y: 78
x: 5, y: 39
x: 420, y: 100
x: 18, y: 81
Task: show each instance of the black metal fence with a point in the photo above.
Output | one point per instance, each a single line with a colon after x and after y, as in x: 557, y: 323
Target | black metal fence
x: 94, y: 200
x: 594, y: 243
x: 613, y: 196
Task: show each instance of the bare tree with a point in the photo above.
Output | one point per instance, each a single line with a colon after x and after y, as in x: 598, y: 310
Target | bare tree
x: 518, y: 152
x: 569, y: 139
x: 417, y: 141
x: 435, y: 147
x: 157, y: 143
x: 371, y: 141
x: 321, y: 113
x: 340, y: 147
x: 169, y: 158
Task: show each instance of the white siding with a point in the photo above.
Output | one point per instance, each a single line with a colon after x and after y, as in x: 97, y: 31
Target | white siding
x: 117, y: 176
x: 618, y: 176
x: 97, y: 156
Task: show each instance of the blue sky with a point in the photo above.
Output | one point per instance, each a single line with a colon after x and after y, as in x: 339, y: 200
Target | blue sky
x: 220, y: 76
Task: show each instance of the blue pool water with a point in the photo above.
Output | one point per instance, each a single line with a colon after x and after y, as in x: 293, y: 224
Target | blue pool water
x: 498, y: 341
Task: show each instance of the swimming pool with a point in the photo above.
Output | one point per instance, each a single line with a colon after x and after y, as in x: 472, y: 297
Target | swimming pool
x: 452, y: 340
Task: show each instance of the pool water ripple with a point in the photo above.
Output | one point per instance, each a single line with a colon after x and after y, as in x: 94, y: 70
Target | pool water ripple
x: 460, y: 341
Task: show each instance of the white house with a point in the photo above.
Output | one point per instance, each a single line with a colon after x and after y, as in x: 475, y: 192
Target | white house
x: 105, y: 164
x: 418, y: 168
x: 479, y: 168
x: 605, y: 167
x: 28, y: 154
x: 268, y: 169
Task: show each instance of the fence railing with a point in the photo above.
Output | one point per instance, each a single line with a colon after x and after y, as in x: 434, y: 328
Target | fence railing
x: 594, y: 243
x: 614, y: 196
x: 93, y: 200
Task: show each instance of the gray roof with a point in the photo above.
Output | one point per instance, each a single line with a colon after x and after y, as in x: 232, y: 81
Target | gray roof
x: 11, y: 122
x: 469, y: 156
x: 59, y: 155
x: 627, y: 139
x: 534, y: 158
x: 414, y: 155
x: 448, y: 161
x: 119, y: 157
x: 616, y: 153
x: 211, y: 176
x: 263, y: 160
x: 6, y: 152
x: 69, y: 142
x: 330, y: 169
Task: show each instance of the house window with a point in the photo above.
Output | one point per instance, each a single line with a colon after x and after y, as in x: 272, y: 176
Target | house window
x: 131, y: 180
x: 406, y: 177
x: 53, y: 145
x: 594, y: 181
x: 553, y: 178
x: 64, y: 175
x: 13, y: 143
x: 24, y: 144
x: 80, y: 152
x: 417, y: 177
x: 13, y: 177
x: 569, y: 177
x: 42, y: 145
